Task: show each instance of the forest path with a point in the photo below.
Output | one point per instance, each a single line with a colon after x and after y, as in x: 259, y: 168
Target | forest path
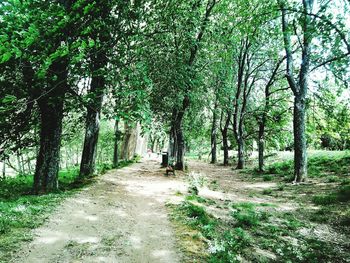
x: 120, y: 218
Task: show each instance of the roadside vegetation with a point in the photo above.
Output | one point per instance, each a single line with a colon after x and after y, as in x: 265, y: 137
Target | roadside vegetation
x: 280, y: 222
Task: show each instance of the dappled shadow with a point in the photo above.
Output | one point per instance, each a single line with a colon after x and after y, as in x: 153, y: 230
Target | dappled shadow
x: 120, y: 218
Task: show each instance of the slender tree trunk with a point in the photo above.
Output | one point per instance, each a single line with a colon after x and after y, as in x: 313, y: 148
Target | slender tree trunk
x: 300, y: 155
x: 240, y: 154
x: 19, y: 165
x: 261, y: 145
x: 225, y: 146
x: 29, y: 164
x: 214, y: 130
x: 180, y: 155
x: 224, y: 133
x: 3, y: 168
x: 87, y: 165
x: 116, y: 142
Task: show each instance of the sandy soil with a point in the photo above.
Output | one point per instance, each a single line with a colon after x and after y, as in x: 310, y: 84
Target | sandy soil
x: 121, y: 218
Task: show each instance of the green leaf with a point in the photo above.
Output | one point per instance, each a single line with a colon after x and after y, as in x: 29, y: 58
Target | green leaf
x: 6, y: 57
x: 91, y: 43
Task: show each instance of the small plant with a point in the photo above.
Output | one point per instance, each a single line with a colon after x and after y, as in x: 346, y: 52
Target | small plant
x: 280, y: 186
x: 344, y: 193
x: 267, y: 191
x: 325, y: 199
x: 332, y: 179
x: 196, y: 180
x: 267, y: 177
x: 246, y: 215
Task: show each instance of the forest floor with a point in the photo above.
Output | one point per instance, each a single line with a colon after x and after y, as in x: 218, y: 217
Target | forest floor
x: 137, y: 214
x: 120, y: 218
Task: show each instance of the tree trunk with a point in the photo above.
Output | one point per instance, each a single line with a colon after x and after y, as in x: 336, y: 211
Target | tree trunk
x: 51, y: 115
x: 300, y: 155
x: 261, y: 145
x: 19, y: 165
x: 87, y: 165
x: 180, y: 154
x: 48, y: 159
x: 116, y: 142
x: 240, y: 154
x: 3, y: 168
x: 214, y: 135
x: 225, y: 146
x: 224, y: 133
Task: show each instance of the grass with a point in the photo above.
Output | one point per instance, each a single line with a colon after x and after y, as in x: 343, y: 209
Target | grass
x: 20, y: 211
x: 216, y: 239
x: 341, y: 195
x: 254, y: 233
x: 331, y: 165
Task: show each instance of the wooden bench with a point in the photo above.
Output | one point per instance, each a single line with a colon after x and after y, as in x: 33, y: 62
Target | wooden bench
x: 170, y: 169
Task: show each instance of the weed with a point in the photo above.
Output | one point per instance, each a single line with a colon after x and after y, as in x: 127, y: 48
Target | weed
x: 267, y: 177
x: 267, y: 191
x: 246, y: 215
x: 332, y: 179
x: 344, y: 193
x: 281, y: 186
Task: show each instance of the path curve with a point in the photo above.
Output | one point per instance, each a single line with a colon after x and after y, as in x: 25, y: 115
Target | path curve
x: 120, y: 218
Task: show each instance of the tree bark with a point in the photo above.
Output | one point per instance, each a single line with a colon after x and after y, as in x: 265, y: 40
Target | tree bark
x: 51, y: 115
x: 87, y: 164
x: 225, y: 146
x: 3, y: 168
x: 240, y: 153
x: 180, y: 154
x: 261, y: 145
x: 224, y: 133
x: 214, y: 131
x: 300, y: 155
x: 116, y: 142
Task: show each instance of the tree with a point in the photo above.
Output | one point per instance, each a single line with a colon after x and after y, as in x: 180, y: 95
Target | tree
x: 300, y: 84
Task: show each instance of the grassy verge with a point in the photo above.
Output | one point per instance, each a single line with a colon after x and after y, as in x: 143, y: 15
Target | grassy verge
x: 251, y: 232
x: 20, y: 212
x: 331, y: 167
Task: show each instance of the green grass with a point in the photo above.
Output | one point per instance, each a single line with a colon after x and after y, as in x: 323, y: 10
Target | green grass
x: 340, y: 195
x: 252, y: 226
x: 20, y: 212
x: 246, y: 215
x: 331, y: 165
x: 223, y: 243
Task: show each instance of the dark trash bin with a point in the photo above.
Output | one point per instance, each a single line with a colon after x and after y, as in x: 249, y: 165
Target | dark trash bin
x: 165, y: 159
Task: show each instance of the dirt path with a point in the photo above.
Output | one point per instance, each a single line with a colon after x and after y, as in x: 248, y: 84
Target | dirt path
x: 121, y: 218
